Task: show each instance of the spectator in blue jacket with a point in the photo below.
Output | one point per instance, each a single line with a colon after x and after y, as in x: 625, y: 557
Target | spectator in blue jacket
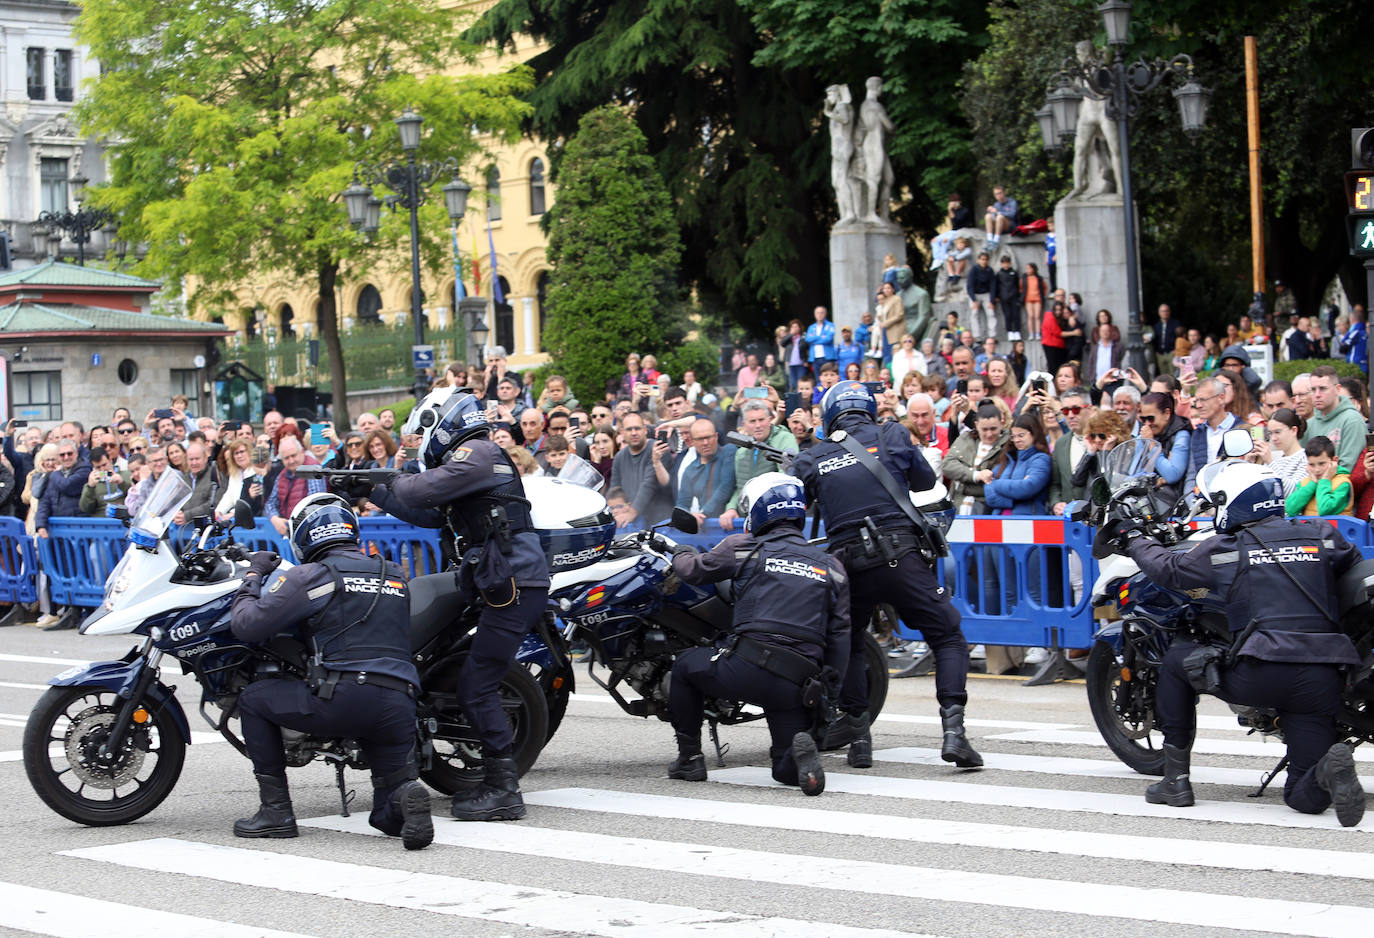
x: 848, y: 350
x: 1020, y: 482
x: 709, y: 482
x: 1354, y: 344
x: 820, y: 336
x: 62, y: 494
x: 1158, y: 422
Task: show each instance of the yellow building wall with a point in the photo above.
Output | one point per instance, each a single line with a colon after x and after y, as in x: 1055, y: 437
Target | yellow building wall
x: 520, y: 254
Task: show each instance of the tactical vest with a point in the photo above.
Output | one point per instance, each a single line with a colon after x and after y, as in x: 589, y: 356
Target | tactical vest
x: 783, y: 592
x: 849, y: 493
x: 1287, y: 625
x: 367, y: 617
x: 471, y: 516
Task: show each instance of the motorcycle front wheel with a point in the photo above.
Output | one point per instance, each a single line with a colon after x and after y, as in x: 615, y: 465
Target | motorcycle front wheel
x: 457, y: 761
x: 1126, y: 727
x: 61, y: 756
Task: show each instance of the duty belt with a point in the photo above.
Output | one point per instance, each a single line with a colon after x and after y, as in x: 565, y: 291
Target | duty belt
x: 873, y: 547
x: 784, y: 662
x: 334, y: 678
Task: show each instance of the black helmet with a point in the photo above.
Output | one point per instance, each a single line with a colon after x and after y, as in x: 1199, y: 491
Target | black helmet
x: 319, y: 521
x: 445, y: 418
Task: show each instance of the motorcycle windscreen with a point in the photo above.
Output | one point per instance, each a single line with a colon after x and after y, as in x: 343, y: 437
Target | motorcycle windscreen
x: 169, y: 493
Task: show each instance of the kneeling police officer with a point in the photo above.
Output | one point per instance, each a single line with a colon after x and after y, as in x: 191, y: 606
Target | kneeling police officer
x: 354, y: 613
x: 889, y: 551
x: 791, y: 618
x: 470, y: 487
x: 1279, y: 579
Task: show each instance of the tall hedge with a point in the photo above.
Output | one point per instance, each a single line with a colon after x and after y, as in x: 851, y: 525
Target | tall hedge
x: 614, y: 247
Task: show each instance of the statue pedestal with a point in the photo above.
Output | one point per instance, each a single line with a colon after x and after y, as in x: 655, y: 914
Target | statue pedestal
x: 856, y: 266
x: 1090, y: 240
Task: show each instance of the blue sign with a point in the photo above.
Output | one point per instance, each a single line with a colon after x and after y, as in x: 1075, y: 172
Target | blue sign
x: 422, y: 356
x: 95, y: 359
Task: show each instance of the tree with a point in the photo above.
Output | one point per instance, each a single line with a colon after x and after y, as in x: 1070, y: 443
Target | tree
x: 614, y: 247
x: 1193, y: 195
x: 236, y: 124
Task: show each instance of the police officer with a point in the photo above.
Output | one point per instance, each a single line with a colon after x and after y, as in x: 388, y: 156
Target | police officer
x: 889, y: 559
x: 1278, y: 576
x: 471, y: 487
x: 791, y: 618
x: 354, y: 613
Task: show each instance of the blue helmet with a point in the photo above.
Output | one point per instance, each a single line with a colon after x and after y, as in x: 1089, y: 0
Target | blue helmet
x: 844, y: 398
x: 319, y: 521
x: 445, y: 418
x: 771, y: 498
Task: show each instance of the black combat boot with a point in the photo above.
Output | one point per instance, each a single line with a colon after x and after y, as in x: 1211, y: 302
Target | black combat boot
x: 1336, y: 776
x: 274, y: 817
x: 690, y: 764
x: 860, y: 754
x: 956, y: 747
x: 843, y: 730
x: 810, y: 775
x: 496, y: 797
x: 1174, y: 789
x: 402, y: 810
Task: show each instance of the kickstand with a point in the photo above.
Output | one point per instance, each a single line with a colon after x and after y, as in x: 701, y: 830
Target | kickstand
x: 715, y: 741
x: 345, y: 796
x: 1054, y: 668
x: 1264, y: 782
x: 919, y: 667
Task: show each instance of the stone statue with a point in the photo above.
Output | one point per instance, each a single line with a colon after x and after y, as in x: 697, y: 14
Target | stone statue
x: 870, y: 141
x: 841, y: 114
x: 1096, y: 154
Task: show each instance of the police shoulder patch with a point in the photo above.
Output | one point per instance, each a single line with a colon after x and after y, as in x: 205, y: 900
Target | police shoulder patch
x: 462, y: 453
x: 277, y: 585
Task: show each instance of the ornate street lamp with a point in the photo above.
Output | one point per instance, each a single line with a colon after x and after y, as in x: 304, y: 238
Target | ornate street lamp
x: 409, y: 183
x: 1109, y: 78
x: 78, y: 224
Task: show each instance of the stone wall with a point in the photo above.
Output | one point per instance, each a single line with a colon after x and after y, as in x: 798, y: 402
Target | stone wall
x: 91, y: 392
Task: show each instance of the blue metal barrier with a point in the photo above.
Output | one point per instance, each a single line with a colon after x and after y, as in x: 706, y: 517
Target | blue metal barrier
x: 77, y: 555
x: 18, y: 563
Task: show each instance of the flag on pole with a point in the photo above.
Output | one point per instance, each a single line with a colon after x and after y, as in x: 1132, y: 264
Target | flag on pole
x: 459, y: 292
x: 476, y: 268
x: 495, y: 280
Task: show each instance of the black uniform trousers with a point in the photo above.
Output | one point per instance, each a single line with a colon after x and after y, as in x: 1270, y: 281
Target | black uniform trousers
x: 1306, y: 696
x: 380, y: 718
x: 698, y: 673
x: 499, y: 634
x: 912, y: 589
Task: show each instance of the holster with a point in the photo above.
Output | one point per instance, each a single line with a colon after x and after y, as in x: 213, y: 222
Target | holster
x: 1202, y: 668
x: 787, y: 664
x: 875, y: 548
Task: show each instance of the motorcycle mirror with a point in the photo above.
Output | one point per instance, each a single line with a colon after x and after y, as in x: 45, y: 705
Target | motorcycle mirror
x: 1101, y: 492
x: 1237, y: 443
x: 243, y: 516
x: 685, y: 521
x: 1078, y: 510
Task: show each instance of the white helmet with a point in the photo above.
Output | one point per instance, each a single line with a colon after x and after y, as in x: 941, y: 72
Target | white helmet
x: 771, y: 498
x: 1242, y: 493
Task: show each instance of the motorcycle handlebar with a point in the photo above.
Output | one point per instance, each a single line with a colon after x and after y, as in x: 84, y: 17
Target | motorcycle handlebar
x: 374, y: 476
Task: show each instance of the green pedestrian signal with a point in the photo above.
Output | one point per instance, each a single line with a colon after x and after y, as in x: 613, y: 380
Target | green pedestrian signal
x: 1362, y: 236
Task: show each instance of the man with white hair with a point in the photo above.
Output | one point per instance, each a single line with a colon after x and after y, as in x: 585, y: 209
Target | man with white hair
x: 289, y: 488
x: 931, y: 438
x: 1302, y: 396
x: 366, y: 423
x: 1126, y: 403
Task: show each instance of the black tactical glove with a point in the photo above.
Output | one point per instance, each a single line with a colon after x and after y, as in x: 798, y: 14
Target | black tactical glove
x: 263, y: 562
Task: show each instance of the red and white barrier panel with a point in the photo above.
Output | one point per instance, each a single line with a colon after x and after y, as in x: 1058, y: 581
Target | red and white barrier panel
x: 1006, y: 531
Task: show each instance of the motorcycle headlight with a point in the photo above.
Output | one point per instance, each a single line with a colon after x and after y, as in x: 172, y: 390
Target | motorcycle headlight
x: 116, y: 588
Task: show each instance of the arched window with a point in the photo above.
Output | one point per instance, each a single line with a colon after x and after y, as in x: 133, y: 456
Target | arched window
x: 288, y: 328
x: 537, y: 186
x: 493, y: 194
x: 369, y: 306
x: 505, y: 319
x: 541, y: 295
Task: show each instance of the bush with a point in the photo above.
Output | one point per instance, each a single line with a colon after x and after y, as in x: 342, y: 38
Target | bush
x: 1287, y: 371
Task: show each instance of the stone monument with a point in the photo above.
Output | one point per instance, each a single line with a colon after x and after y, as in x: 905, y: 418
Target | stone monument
x: 861, y: 175
x: 1090, y: 222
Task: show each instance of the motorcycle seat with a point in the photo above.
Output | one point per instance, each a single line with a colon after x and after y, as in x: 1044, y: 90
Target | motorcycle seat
x: 725, y: 589
x: 435, y: 603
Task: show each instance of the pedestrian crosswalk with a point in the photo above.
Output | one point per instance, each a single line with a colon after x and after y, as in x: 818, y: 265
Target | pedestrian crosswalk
x: 1052, y: 837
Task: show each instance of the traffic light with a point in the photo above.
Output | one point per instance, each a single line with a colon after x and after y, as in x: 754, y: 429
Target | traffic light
x: 1359, y: 192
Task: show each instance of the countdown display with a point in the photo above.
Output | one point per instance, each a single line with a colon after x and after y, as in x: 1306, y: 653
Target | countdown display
x: 1359, y: 190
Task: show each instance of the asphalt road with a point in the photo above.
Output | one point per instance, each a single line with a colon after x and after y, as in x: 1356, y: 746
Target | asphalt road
x: 1053, y: 838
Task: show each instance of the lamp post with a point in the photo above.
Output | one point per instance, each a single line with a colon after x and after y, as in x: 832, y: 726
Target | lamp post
x: 409, y: 183
x: 471, y: 314
x: 78, y: 224
x: 1110, y: 78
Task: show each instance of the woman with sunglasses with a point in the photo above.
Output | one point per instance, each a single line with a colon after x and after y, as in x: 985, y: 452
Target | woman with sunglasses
x: 1102, y: 430
x: 1174, y: 435
x: 241, y: 479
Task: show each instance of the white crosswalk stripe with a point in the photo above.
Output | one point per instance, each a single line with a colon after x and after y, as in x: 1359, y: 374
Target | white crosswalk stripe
x: 1272, y: 750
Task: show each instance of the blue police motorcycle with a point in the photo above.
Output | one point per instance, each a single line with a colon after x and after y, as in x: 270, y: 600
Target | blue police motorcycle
x: 1142, y: 619
x: 106, y: 743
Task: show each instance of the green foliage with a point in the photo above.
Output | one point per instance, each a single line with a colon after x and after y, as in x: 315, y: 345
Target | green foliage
x: 1287, y: 371
x: 1193, y: 196
x: 239, y: 121
x: 614, y: 249
x: 699, y: 355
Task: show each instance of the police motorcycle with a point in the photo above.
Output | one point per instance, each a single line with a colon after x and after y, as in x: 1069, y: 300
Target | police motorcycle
x: 621, y: 597
x: 106, y: 743
x: 1142, y: 619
